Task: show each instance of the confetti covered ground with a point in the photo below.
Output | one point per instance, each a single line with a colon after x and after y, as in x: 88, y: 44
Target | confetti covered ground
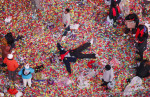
x: 40, y: 44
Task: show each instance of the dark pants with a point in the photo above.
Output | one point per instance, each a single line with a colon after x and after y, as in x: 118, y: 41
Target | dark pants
x: 127, y: 30
x: 12, y: 75
x: 77, y: 52
x: 67, y: 63
x: 114, y: 19
x: 104, y: 83
x: 66, y: 30
x: 141, y: 47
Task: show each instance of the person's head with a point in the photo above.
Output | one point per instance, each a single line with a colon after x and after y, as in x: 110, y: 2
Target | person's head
x: 107, y: 67
x: 132, y: 17
x: 26, y: 66
x: 10, y: 56
x: 67, y: 10
x: 114, y: 4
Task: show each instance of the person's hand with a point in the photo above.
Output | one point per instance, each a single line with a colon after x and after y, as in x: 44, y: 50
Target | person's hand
x: 65, y: 27
x: 13, y: 52
x: 136, y: 40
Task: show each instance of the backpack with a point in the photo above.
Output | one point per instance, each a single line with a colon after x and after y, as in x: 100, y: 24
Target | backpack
x: 142, y: 31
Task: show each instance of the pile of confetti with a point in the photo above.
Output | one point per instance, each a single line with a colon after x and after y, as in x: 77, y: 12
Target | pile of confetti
x: 39, y: 46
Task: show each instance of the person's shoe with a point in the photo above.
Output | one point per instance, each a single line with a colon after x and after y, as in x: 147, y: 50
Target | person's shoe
x: 133, y: 35
x: 137, y: 52
x: 103, y: 84
x: 92, y: 40
x: 115, y: 25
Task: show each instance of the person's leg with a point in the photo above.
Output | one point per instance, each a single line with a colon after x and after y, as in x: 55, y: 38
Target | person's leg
x: 24, y: 82
x: 9, y: 75
x: 114, y: 19
x: 141, y: 48
x: 66, y: 30
x: 82, y: 47
x: 81, y: 56
x: 141, y: 55
x: 60, y: 48
x: 29, y: 82
x: 67, y: 65
x: 13, y: 75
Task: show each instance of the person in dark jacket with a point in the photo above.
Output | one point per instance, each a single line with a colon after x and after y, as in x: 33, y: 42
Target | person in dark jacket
x: 11, y: 40
x: 73, y: 55
x: 133, y: 19
x: 141, y: 40
x: 144, y: 69
x: 114, y: 13
x: 117, y: 1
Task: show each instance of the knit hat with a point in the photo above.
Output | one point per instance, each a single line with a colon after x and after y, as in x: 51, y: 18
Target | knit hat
x: 10, y: 56
x: 107, y: 67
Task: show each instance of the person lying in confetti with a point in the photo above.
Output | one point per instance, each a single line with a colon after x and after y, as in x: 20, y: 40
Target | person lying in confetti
x: 73, y: 55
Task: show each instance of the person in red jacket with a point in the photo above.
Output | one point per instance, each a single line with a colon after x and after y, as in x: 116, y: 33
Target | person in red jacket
x: 114, y: 12
x: 74, y: 54
x: 12, y: 65
x: 141, y: 40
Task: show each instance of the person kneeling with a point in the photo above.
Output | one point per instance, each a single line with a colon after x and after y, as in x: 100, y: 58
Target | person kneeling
x: 107, y: 75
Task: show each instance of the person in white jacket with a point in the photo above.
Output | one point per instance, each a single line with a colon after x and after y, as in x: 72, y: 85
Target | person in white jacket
x: 108, y: 75
x: 66, y: 21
